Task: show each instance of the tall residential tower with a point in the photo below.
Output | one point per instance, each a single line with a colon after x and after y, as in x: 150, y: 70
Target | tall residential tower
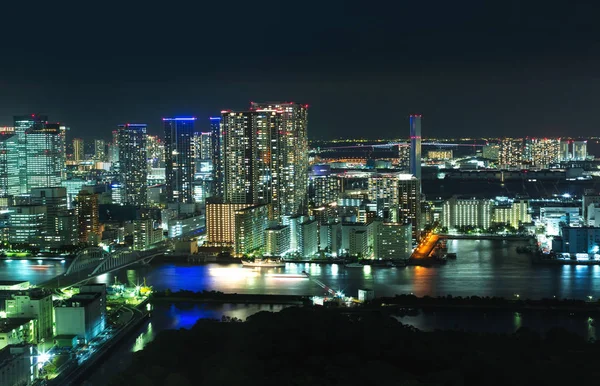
x: 132, y: 163
x: 415, y: 145
x: 179, y: 159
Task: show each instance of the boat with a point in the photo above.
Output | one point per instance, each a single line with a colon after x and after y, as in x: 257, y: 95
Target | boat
x: 451, y: 256
x: 260, y: 263
x: 354, y: 265
x: 399, y: 263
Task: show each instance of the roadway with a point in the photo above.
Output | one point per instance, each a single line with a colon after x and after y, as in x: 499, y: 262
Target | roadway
x: 425, y: 247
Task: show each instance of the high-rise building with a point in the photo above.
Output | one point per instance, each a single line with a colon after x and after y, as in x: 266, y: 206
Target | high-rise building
x: 579, y: 150
x: 541, y: 152
x: 308, y: 238
x: 133, y: 163
x: 55, y: 201
x: 88, y: 217
x: 415, y: 145
x: 250, y: 225
x: 392, y: 240
x: 145, y: 234
x: 264, y: 156
x: 289, y: 157
x: 45, y: 160
x: 10, y: 183
x: 325, y: 189
x: 27, y: 224
x: 78, y: 150
x: 217, y: 159
x: 24, y: 124
x: 277, y: 240
x: 510, y: 154
x: 565, y: 154
x: 179, y: 159
x: 220, y: 222
x: 155, y: 152
x: 409, y: 204
x: 99, y: 150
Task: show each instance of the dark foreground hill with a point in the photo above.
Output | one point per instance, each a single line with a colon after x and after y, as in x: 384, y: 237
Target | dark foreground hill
x: 307, y: 346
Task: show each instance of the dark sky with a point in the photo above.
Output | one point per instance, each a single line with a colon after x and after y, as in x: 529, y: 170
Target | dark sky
x: 472, y: 69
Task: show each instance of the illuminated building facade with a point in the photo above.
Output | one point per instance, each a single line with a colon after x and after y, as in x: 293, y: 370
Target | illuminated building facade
x: 415, y: 145
x: 27, y: 224
x: 88, y: 218
x: 392, y: 240
x: 491, y: 152
x: 510, y: 153
x: 99, y: 150
x: 179, y: 159
x: 220, y: 223
x: 325, y: 189
x: 467, y: 212
x: 565, y: 153
x: 409, y: 203
x: 217, y: 159
x: 250, y: 225
x: 133, y: 163
x: 10, y: 183
x: 55, y: 201
x: 440, y: 154
x: 511, y: 212
x: 45, y: 160
x: 277, y: 240
x: 579, y: 150
x: 78, y: 150
x: 22, y: 125
x: 289, y: 156
x: 541, y: 152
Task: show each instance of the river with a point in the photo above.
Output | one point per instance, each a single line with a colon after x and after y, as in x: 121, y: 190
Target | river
x: 483, y: 268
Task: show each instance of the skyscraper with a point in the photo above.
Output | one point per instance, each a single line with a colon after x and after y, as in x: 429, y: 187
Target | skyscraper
x: 87, y: 216
x: 245, y: 157
x: 44, y: 156
x: 78, y: 151
x: 179, y: 159
x: 409, y: 202
x: 510, y: 153
x: 22, y: 125
x: 10, y: 184
x: 132, y: 163
x: 289, y: 153
x: 265, y: 157
x: 217, y: 160
x: 415, y: 145
x: 55, y: 201
x: 579, y: 150
x: 99, y: 150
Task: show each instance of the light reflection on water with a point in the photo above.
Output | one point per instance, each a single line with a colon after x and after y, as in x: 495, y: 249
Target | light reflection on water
x: 483, y: 268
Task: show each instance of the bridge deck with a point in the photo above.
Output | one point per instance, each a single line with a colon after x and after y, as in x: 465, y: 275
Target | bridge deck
x: 425, y: 247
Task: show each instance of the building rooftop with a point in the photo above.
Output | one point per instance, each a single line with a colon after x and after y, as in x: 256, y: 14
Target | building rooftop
x: 80, y: 300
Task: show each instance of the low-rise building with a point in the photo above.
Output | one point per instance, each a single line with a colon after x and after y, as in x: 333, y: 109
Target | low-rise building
x: 17, y: 331
x: 34, y: 303
x: 18, y: 364
x: 83, y: 315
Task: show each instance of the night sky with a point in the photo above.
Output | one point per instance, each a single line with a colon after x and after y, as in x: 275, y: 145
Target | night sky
x: 471, y: 69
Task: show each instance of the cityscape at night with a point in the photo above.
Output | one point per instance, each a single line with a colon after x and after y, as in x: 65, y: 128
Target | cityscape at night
x: 338, y: 194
